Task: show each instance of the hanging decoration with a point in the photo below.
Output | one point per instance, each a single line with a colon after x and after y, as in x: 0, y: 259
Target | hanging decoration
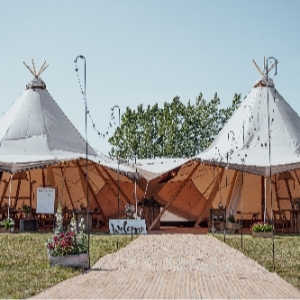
x: 110, y: 124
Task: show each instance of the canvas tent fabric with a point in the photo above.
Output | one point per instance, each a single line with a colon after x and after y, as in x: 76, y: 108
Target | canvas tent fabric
x: 151, y: 168
x: 39, y: 147
x: 69, y: 182
x: 243, y: 143
x: 35, y: 131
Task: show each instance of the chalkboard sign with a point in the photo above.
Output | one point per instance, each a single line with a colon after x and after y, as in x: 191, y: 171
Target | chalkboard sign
x: 45, y: 200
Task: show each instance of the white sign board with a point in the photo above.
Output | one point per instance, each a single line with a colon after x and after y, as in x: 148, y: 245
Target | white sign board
x: 127, y: 226
x: 45, y: 200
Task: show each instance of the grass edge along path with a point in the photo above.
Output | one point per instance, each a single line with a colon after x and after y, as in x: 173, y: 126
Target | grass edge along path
x: 286, y: 250
x: 24, y: 263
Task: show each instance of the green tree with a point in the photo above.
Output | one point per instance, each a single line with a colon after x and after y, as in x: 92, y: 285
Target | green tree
x: 176, y: 130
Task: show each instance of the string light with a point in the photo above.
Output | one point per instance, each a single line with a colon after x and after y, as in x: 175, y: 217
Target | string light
x: 110, y: 124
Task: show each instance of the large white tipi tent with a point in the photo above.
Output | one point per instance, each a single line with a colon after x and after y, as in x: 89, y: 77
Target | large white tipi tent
x: 261, y: 138
x: 234, y: 171
x: 40, y: 147
x: 36, y: 130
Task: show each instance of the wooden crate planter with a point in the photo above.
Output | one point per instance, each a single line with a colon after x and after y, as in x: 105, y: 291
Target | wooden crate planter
x: 74, y: 261
x: 9, y: 230
x: 233, y: 226
x: 263, y: 234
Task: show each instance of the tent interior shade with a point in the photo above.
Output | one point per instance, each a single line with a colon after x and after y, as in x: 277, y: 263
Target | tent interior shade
x: 69, y: 182
x: 192, y: 196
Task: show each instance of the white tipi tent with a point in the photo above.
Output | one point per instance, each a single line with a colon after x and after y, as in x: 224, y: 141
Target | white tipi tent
x: 237, y: 165
x: 36, y: 130
x: 243, y: 145
x: 40, y: 147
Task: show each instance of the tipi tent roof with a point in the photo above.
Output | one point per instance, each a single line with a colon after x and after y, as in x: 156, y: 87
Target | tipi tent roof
x: 243, y: 143
x: 35, y: 130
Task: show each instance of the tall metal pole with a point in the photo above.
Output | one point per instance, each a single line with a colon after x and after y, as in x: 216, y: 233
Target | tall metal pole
x: 116, y: 106
x: 270, y: 161
x: 86, y: 155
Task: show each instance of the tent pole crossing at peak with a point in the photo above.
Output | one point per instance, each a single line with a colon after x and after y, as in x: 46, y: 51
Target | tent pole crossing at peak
x: 265, y: 71
x: 33, y: 72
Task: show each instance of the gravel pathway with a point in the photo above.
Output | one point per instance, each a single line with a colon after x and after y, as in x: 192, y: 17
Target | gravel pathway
x: 174, y: 266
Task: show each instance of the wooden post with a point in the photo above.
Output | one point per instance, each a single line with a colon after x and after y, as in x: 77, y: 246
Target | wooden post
x: 90, y: 190
x: 113, y: 182
x: 66, y: 185
x: 210, y: 199
x: 263, y: 200
x: 231, y: 188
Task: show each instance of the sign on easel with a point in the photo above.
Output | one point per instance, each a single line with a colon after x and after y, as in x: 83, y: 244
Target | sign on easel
x: 45, y: 200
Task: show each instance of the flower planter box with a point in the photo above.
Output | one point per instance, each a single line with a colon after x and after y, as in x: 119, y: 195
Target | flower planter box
x: 265, y: 234
x: 9, y: 230
x: 233, y: 226
x: 74, y: 261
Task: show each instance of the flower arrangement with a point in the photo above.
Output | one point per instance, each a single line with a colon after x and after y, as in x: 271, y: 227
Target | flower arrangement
x: 8, y: 223
x: 262, y: 227
x: 67, y: 242
x: 129, y: 210
x: 231, y: 218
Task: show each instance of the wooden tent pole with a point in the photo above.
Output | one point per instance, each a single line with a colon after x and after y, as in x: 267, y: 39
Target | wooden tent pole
x: 66, y: 185
x: 18, y: 193
x: 90, y: 189
x: 262, y: 196
x: 289, y: 190
x: 30, y: 190
x: 174, y: 197
x: 231, y: 188
x: 210, y: 199
x: 4, y: 191
x: 114, y: 183
x: 43, y: 178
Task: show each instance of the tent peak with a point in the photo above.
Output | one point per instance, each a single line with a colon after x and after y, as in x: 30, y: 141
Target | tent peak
x: 36, y: 83
x: 263, y: 82
x: 265, y: 71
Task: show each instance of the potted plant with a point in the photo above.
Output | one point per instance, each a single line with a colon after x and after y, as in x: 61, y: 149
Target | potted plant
x: 129, y: 211
x: 262, y: 229
x: 70, y: 247
x: 232, y: 223
x: 27, y: 210
x: 8, y: 224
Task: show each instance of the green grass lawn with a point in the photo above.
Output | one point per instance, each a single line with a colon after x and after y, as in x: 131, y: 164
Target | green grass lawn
x: 25, y: 270
x: 24, y: 264
x: 286, y: 253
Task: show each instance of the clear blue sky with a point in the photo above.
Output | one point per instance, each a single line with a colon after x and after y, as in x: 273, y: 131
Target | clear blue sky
x: 146, y: 52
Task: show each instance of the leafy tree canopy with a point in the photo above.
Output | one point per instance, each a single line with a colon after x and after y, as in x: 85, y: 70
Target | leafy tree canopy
x: 175, y: 130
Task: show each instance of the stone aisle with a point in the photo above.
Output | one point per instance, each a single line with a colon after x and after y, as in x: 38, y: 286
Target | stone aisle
x: 174, y: 266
